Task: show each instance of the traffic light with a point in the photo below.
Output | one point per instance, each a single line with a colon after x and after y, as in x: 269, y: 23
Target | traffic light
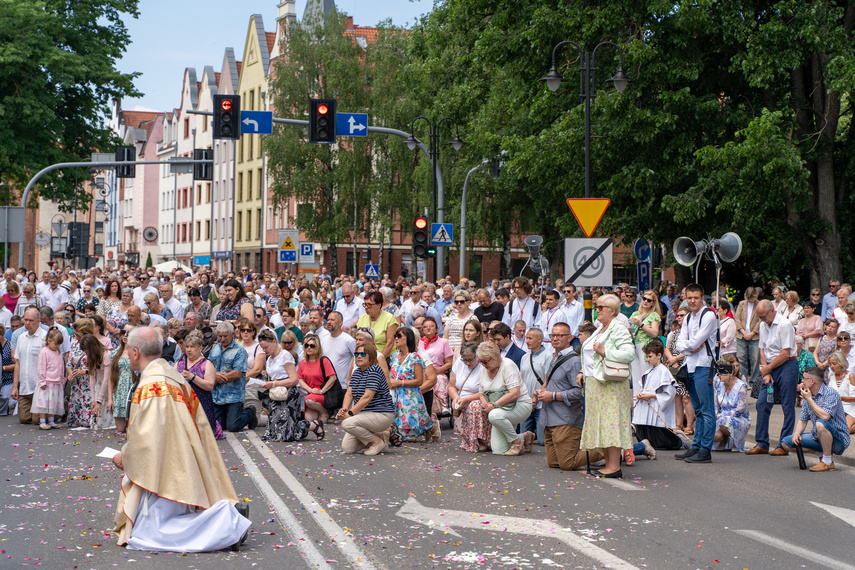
x: 227, y: 117
x: 203, y: 171
x: 322, y: 121
x: 421, y: 239
x: 126, y: 154
x: 431, y: 251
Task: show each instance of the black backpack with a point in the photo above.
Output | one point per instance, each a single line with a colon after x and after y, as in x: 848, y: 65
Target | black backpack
x: 534, y: 310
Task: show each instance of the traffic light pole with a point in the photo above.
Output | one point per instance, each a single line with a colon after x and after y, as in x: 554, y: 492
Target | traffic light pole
x: 90, y: 164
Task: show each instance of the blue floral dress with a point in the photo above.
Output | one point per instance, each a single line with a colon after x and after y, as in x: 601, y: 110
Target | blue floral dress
x: 732, y: 413
x: 411, y: 416
x: 123, y: 385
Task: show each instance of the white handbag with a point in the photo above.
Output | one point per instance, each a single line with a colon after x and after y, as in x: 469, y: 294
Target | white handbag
x: 614, y: 371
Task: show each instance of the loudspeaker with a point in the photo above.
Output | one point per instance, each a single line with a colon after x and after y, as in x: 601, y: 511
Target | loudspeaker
x: 533, y: 243
x: 686, y: 251
x: 728, y: 247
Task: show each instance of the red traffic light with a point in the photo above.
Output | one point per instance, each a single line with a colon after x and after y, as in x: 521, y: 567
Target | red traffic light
x: 226, y: 105
x: 323, y: 109
x: 421, y: 223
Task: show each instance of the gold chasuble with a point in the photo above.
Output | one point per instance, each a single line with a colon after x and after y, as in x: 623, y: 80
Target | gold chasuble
x: 171, y: 450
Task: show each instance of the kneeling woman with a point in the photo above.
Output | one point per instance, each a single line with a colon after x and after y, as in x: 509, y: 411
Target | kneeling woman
x: 367, y: 411
x: 472, y: 424
x: 407, y: 373
x: 285, y: 421
x: 505, y: 399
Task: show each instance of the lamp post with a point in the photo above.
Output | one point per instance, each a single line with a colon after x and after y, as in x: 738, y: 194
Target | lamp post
x: 587, y: 91
x: 438, y: 197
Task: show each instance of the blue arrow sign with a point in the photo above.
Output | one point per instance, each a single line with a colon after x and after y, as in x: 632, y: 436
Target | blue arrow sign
x: 441, y: 234
x: 351, y: 124
x: 642, y: 249
x: 256, y: 122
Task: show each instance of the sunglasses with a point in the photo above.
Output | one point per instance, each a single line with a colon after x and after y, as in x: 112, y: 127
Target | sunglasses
x: 360, y: 354
x: 459, y: 301
x: 288, y: 342
x: 399, y: 335
x: 841, y: 337
x: 647, y: 299
x: 245, y: 330
x: 309, y: 345
x: 367, y: 305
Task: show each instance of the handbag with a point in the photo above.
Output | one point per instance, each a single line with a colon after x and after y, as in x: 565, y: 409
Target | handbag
x: 279, y: 393
x: 334, y: 397
x: 614, y: 371
x: 493, y: 396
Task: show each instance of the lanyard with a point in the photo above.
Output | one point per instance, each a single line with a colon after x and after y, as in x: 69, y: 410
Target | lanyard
x: 549, y: 318
x: 522, y: 308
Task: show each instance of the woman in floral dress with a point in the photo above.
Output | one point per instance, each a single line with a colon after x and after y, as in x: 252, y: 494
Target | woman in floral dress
x: 411, y: 416
x: 121, y: 380
x: 77, y: 372
x: 117, y: 318
x: 732, y: 416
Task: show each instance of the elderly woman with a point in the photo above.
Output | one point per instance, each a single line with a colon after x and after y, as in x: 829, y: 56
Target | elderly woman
x: 155, y: 307
x: 368, y: 410
x: 843, y: 382
x: 307, y: 302
x: 381, y: 322
x: 27, y: 299
x: 505, y: 399
x: 464, y: 383
x: 117, y: 318
x: 12, y: 296
x: 608, y: 404
x: 284, y: 422
x: 732, y: 416
x: 847, y: 323
x: 201, y: 375
x: 792, y: 311
x: 317, y: 376
x: 406, y: 378
x: 810, y: 327
x: 827, y: 343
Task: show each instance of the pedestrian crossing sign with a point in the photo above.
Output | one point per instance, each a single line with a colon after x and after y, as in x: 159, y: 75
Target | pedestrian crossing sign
x: 288, y: 244
x: 372, y: 271
x: 441, y: 234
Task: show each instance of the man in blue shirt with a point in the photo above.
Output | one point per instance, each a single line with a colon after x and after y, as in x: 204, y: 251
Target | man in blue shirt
x: 229, y: 360
x: 824, y: 409
x: 829, y: 301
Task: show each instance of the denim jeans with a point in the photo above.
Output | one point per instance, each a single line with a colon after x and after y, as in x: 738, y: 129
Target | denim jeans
x: 785, y: 377
x: 748, y: 355
x: 532, y: 424
x: 811, y: 442
x: 703, y: 400
x: 232, y: 416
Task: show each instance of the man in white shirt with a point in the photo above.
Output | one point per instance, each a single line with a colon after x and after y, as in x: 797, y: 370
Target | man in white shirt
x: 842, y: 296
x: 47, y: 319
x: 339, y: 348
x: 522, y: 306
x: 778, y: 366
x: 44, y: 284
x: 573, y: 308
x: 519, y: 337
x: 350, y: 306
x: 167, y: 299
x: 550, y: 315
x: 316, y: 324
x: 412, y: 296
x: 697, y: 341
x: 534, y: 367
x: 55, y: 296
x: 26, y: 356
x: 143, y: 289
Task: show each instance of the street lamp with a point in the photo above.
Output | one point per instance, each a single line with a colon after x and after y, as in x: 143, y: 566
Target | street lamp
x: 587, y: 91
x: 438, y: 197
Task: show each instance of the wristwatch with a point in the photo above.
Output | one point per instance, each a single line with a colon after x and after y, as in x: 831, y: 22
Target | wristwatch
x: 350, y: 413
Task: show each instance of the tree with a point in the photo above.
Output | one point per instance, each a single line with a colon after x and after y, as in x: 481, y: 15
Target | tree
x: 59, y: 76
x: 148, y: 261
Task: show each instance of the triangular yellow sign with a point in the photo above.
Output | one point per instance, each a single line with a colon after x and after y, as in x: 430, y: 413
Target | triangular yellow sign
x: 288, y: 244
x: 588, y: 212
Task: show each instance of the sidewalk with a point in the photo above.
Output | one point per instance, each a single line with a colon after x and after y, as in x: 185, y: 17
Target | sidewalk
x: 776, y: 420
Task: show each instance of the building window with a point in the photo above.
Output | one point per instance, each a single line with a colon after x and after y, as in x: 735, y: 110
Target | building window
x: 260, y: 178
x: 204, y: 124
x: 249, y: 185
x: 198, y: 230
x: 99, y: 249
x: 258, y: 219
x: 208, y: 193
x: 251, y: 141
x: 99, y: 227
x: 240, y: 187
x: 249, y: 224
x: 239, y: 227
x: 187, y: 128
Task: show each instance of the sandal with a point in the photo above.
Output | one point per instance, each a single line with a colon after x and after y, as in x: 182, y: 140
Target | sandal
x: 319, y: 430
x: 395, y: 437
x: 689, y: 431
x: 628, y: 457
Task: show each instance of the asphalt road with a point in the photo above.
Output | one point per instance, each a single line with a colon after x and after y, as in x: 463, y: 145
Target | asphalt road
x: 422, y: 506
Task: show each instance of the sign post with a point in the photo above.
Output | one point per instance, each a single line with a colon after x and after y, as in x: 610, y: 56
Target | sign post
x: 289, y: 240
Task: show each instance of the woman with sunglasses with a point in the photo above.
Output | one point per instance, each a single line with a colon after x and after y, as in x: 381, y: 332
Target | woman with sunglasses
x: 458, y: 318
x: 843, y: 382
x: 201, y: 374
x: 284, y: 420
x: 844, y: 347
x: 86, y: 299
x: 827, y: 343
x: 255, y: 357
x: 368, y: 410
x: 407, y: 373
x: 646, y: 322
x: 316, y: 375
x: 121, y: 380
x: 381, y: 322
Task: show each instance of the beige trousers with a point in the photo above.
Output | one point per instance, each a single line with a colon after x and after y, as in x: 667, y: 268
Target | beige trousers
x: 363, y: 428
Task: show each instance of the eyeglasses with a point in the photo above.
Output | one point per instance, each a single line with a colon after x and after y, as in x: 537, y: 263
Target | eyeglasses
x: 399, y: 335
x: 602, y: 307
x: 459, y: 301
x: 484, y: 360
x: 367, y: 305
x: 309, y: 345
x: 468, y: 360
x: 559, y: 335
x: 842, y: 337
x: 287, y: 342
x: 647, y: 299
x: 360, y: 354
x: 245, y: 330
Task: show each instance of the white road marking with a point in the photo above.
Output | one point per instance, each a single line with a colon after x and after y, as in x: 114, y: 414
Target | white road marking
x: 318, y: 512
x: 288, y: 521
x: 446, y: 519
x: 811, y: 555
x: 845, y: 515
x: 621, y: 484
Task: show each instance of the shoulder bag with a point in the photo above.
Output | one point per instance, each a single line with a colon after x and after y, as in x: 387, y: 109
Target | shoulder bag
x: 614, y: 371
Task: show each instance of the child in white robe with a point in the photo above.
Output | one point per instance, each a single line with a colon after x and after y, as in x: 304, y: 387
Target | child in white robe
x: 653, y: 413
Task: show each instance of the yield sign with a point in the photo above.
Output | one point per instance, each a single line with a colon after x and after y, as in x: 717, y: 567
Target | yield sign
x: 588, y: 212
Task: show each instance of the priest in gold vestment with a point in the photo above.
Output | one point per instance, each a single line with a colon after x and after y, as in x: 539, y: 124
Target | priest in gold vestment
x: 176, y: 493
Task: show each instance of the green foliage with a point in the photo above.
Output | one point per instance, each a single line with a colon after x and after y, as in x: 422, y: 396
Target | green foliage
x: 148, y: 261
x: 59, y: 76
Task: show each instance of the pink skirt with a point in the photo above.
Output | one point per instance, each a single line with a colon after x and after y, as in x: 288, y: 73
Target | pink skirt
x: 50, y: 401
x: 475, y: 428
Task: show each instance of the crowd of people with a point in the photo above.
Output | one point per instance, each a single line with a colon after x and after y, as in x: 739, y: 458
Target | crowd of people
x: 510, y: 365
